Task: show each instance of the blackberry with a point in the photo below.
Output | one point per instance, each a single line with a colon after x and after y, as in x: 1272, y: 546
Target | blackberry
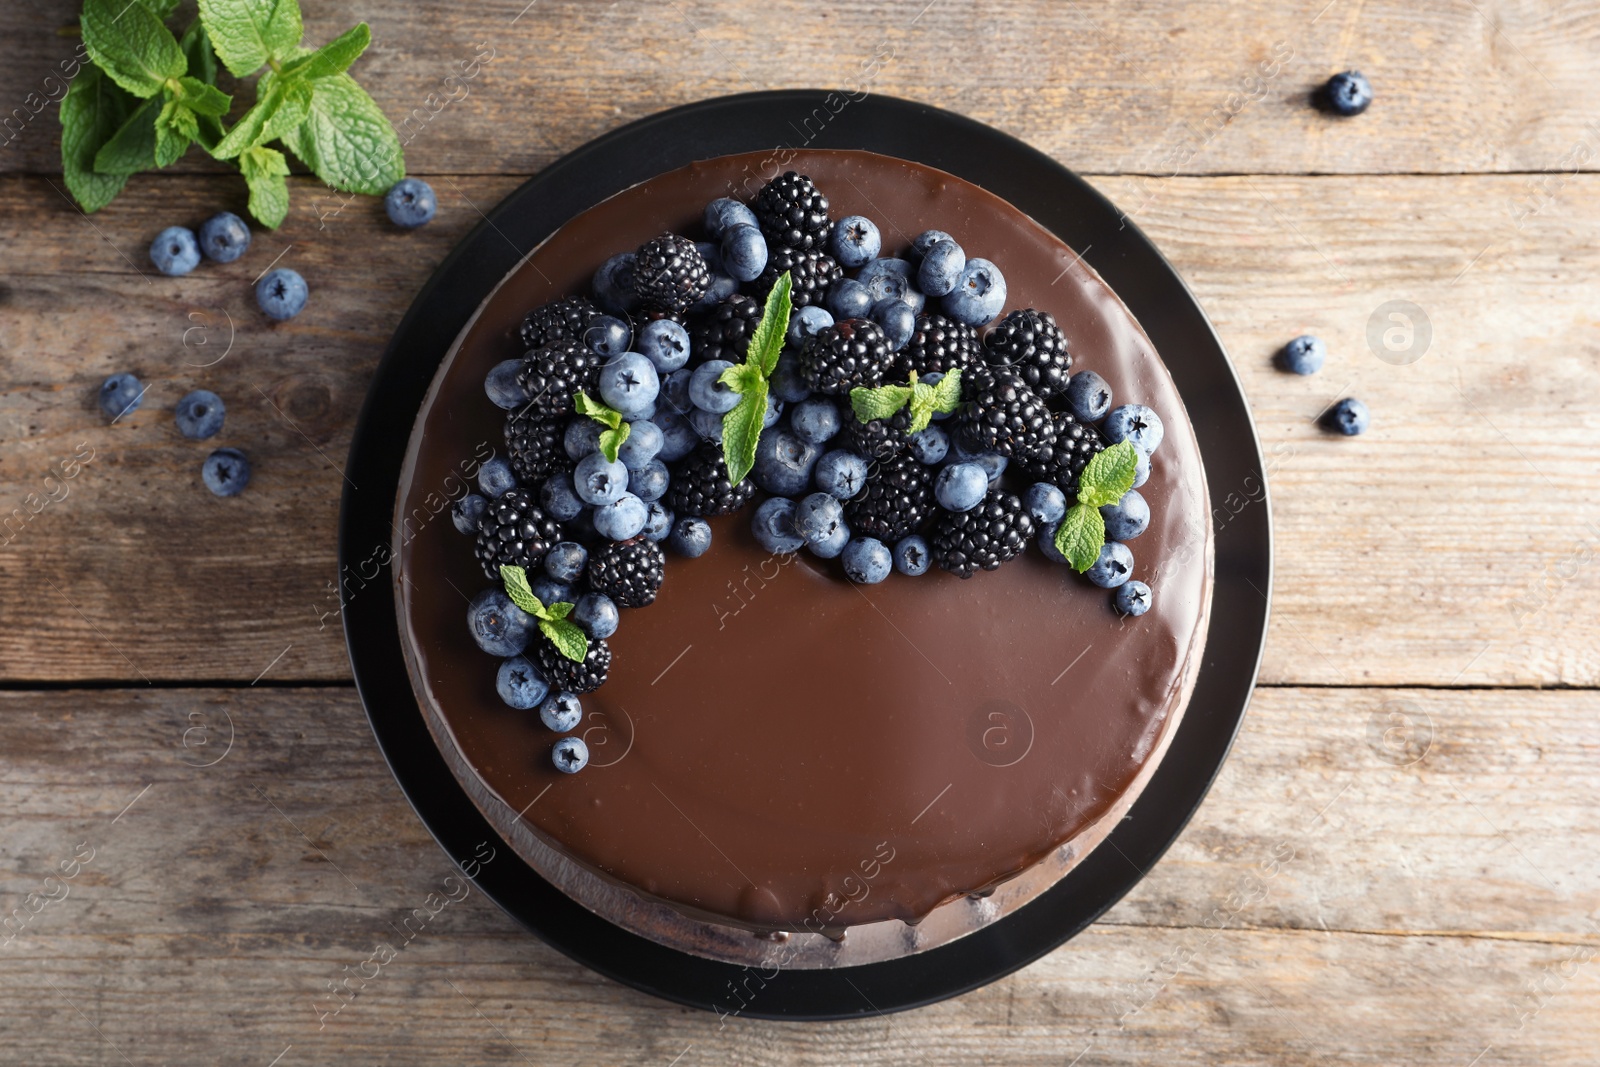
x: 560, y: 320
x: 724, y: 333
x: 535, y: 441
x: 1002, y: 415
x: 1075, y: 445
x: 996, y: 530
x: 515, y: 530
x: 810, y: 274
x: 700, y: 485
x: 570, y: 676
x: 629, y: 572
x: 879, y: 439
x: 551, y: 375
x: 847, y: 355
x: 669, y: 273
x: 897, y: 497
x: 792, y: 213
x: 938, y: 344
x: 1028, y: 343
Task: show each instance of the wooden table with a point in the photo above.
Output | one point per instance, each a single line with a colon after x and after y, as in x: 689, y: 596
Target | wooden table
x: 1399, y: 862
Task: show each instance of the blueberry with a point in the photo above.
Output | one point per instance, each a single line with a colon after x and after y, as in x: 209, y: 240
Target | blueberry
x: 806, y: 322
x: 911, y: 555
x: 941, y: 268
x: 841, y: 474
x: 818, y: 517
x: 1128, y: 517
x: 665, y: 344
x: 675, y: 392
x: 1141, y: 473
x: 621, y: 519
x: 281, y: 293
x: 993, y: 464
x: 1136, y: 423
x: 643, y: 444
x: 499, y: 626
x: 610, y: 289
x: 815, y: 421
x: 520, y: 684
x: 502, y: 387
x: 465, y: 513
x: 848, y: 299
x: 596, y: 614
x: 707, y: 424
x: 1348, y: 93
x: 929, y: 445
x: 120, y: 395
x: 570, y: 755
x: 657, y: 521
x: 678, y: 436
x: 175, y: 251
x: 1349, y: 417
x: 867, y: 560
x: 979, y: 295
x: 549, y: 591
x: 788, y: 385
x: 899, y: 322
x: 558, y: 497
x: 854, y: 241
x: 561, y: 711
x: 892, y: 278
x: 707, y: 392
x: 582, y: 437
x: 960, y: 486
x: 744, y: 253
x: 226, y: 472
x: 773, y: 413
x: 1304, y: 355
x: 1088, y: 396
x: 784, y: 463
x: 609, y: 335
x: 565, y: 561
x: 649, y: 482
x: 833, y: 545
x: 495, y: 476
x: 711, y: 252
x: 410, y: 203
x: 724, y: 213
x: 924, y: 241
x: 598, y: 481
x: 629, y: 384
x: 224, y: 237
x: 1132, y: 598
x: 1047, y: 545
x: 773, y: 526
x: 690, y: 537
x: 199, y: 414
x: 721, y: 287
x: 1046, y: 503
x: 1113, y: 567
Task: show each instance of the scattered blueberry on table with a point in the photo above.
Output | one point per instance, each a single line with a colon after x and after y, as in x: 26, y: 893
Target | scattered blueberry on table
x: 281, y: 293
x: 410, y: 203
x: 120, y: 394
x: 175, y: 251
x: 1349, y: 417
x: 224, y: 237
x: 1348, y: 93
x: 1303, y: 355
x: 199, y: 415
x: 226, y: 472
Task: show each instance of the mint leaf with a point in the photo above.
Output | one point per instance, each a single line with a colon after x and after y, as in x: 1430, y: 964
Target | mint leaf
x: 345, y: 139
x: 741, y: 430
x: 162, y: 8
x: 947, y: 393
x: 264, y: 171
x: 93, y: 110
x: 1080, y: 536
x: 133, y: 147
x: 515, y: 580
x: 196, y: 47
x: 611, y: 440
x: 248, y: 33
x: 284, y: 106
x: 587, y: 405
x: 332, y: 58
x: 559, y: 611
x: 129, y: 42
x: 203, y: 99
x: 742, y: 377
x: 176, y: 128
x: 570, y: 641
x: 879, y: 403
x: 766, y: 341
x: 1109, y: 475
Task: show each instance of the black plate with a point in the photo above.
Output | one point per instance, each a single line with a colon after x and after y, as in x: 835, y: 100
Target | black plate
x: 1060, y: 201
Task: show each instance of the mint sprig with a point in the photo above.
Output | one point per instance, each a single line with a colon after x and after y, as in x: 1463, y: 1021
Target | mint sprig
x: 569, y: 640
x: 883, y: 401
x: 741, y: 427
x: 617, y: 431
x: 1105, y: 480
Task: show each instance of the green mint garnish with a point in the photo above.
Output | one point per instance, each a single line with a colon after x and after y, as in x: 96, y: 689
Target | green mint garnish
x: 741, y: 427
x: 1104, y: 481
x: 925, y: 400
x: 569, y: 640
x: 130, y: 43
x: 616, y: 431
x: 94, y: 108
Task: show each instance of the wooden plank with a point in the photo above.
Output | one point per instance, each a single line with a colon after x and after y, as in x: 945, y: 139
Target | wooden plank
x: 1409, y: 922
x: 1214, y: 87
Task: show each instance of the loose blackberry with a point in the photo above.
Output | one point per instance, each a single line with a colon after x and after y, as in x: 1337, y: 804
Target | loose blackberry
x: 938, y: 344
x: 515, y: 530
x: 1028, y: 343
x: 551, y: 375
x: 700, y: 485
x: 897, y: 497
x: 810, y: 275
x: 1001, y: 414
x: 1075, y: 445
x: 792, y: 213
x: 847, y: 355
x: 629, y: 572
x: 570, y: 676
x: 534, y: 439
x: 965, y: 542
x: 724, y: 333
x: 879, y: 439
x: 669, y: 273
x: 560, y: 320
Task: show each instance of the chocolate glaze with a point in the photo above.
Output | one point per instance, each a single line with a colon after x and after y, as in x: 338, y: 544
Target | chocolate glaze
x: 769, y: 732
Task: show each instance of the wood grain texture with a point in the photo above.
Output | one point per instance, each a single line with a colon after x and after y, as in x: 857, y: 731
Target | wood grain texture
x: 1339, y: 898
